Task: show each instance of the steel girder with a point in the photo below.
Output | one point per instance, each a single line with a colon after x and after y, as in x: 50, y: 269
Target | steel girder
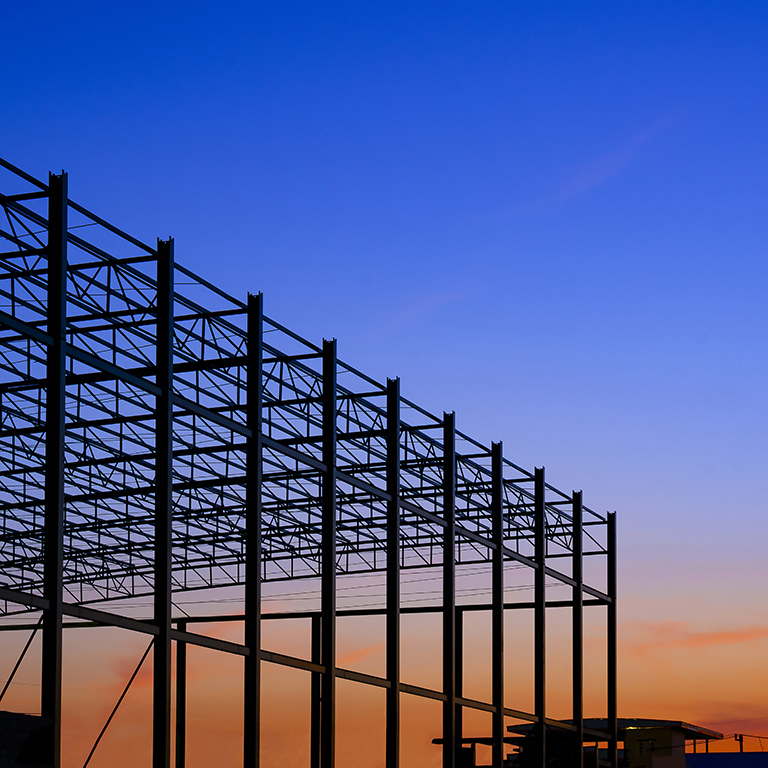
x: 143, y: 342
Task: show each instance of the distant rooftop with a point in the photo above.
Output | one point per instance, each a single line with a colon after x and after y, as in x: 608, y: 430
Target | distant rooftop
x: 595, y: 727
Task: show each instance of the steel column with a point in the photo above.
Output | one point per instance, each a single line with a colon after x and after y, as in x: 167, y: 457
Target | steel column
x: 613, y: 729
x: 540, y: 608
x: 161, y: 703
x: 449, y: 590
x: 315, y: 693
x: 393, y: 573
x: 577, y: 628
x: 328, y: 567
x: 181, y: 699
x: 253, y: 544
x: 53, y: 546
x: 459, y: 650
x: 497, y: 604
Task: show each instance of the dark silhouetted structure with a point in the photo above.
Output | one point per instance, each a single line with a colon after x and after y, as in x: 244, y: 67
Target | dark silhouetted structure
x: 160, y: 436
x: 646, y: 743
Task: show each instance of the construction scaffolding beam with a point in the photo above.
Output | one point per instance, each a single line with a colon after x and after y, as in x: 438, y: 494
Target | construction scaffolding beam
x: 159, y: 437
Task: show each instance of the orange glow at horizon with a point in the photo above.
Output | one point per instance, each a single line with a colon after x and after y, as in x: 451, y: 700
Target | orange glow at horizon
x: 668, y: 669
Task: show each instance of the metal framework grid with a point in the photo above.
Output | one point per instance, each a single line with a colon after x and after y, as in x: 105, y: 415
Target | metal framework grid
x: 159, y: 436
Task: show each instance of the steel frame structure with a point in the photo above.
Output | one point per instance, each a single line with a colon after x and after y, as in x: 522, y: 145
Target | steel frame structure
x: 159, y: 436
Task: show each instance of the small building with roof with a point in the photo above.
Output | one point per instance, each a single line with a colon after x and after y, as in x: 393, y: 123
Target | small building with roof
x: 645, y: 743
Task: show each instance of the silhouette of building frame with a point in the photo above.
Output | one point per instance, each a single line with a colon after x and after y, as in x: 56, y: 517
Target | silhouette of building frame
x: 160, y: 436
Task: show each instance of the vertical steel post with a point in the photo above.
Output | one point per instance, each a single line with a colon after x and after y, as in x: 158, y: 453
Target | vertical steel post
x: 161, y: 702
x: 577, y: 628
x: 316, y: 693
x: 55, y: 407
x: 328, y: 567
x: 253, y: 543
x: 181, y: 700
x: 459, y: 650
x: 613, y: 729
x: 540, y: 608
x: 449, y: 590
x: 393, y: 573
x: 497, y: 604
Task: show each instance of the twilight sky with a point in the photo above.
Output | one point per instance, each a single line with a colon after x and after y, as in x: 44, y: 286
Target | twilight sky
x: 547, y: 216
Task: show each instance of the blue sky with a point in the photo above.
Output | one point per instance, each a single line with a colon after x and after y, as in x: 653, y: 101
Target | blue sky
x: 548, y: 216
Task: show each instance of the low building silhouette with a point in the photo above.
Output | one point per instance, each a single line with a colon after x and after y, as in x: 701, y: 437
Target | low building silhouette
x: 647, y: 743
x: 24, y: 740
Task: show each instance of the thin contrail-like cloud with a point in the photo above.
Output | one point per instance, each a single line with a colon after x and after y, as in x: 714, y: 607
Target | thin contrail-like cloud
x: 412, y: 312
x: 599, y: 170
x: 675, y: 634
x: 360, y: 653
x: 593, y: 173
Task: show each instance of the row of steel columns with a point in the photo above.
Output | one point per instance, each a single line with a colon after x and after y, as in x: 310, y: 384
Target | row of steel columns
x: 324, y: 630
x: 53, y: 540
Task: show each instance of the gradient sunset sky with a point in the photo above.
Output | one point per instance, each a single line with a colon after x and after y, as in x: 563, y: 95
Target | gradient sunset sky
x: 550, y: 217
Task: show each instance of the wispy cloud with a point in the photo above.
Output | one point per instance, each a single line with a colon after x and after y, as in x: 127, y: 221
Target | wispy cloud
x: 677, y: 634
x: 596, y: 171
x: 360, y: 653
x: 412, y: 312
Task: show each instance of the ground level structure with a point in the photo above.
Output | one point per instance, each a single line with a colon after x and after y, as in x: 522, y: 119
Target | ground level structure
x: 645, y: 743
x: 161, y: 438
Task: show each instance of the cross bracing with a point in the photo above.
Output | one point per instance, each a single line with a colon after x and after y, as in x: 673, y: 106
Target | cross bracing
x: 105, y: 339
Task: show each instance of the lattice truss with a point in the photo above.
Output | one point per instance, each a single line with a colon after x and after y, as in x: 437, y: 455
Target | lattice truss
x: 111, y: 340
